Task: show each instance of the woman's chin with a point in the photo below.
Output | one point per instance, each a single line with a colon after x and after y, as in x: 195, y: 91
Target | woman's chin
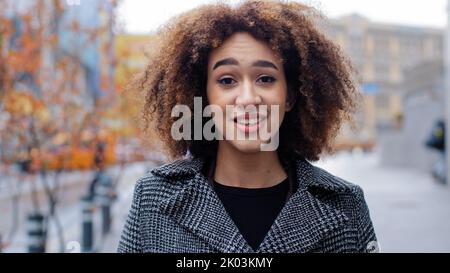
x: 247, y: 146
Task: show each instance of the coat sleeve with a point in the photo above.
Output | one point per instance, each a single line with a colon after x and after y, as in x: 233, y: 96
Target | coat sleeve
x: 367, y: 240
x: 130, y: 240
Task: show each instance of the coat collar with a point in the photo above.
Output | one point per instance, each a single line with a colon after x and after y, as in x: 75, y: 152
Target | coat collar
x: 301, y: 224
x: 307, y: 174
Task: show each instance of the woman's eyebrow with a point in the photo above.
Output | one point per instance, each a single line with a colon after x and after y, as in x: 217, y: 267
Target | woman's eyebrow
x: 232, y: 61
x: 263, y: 63
x: 228, y: 61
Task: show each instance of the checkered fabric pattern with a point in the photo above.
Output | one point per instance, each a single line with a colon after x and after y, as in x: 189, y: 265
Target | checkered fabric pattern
x: 175, y: 210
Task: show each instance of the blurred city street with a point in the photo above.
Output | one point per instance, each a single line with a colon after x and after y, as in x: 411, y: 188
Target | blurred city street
x: 70, y: 214
x: 410, y: 211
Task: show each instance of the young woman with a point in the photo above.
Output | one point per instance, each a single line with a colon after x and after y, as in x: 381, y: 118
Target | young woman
x: 229, y: 194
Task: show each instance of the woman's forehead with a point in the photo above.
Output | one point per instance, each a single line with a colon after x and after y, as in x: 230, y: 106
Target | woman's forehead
x: 245, y: 49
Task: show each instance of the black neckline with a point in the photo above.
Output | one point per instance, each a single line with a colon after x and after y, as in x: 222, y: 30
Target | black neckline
x: 279, y: 188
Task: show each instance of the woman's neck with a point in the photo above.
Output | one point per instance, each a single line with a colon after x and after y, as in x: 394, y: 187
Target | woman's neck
x: 247, y: 170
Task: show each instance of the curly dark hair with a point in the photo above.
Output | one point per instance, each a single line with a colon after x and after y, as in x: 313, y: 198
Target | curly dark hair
x: 318, y: 74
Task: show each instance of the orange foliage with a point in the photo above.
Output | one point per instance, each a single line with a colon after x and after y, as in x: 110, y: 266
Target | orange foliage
x: 63, y: 74
x: 80, y: 158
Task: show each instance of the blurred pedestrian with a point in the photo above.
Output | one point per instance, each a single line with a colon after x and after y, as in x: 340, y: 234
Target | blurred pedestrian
x: 436, y: 142
x: 99, y: 165
x: 24, y: 161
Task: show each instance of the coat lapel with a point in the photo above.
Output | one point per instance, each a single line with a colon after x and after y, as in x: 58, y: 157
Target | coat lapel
x: 300, y: 226
x: 198, y: 208
x: 305, y: 220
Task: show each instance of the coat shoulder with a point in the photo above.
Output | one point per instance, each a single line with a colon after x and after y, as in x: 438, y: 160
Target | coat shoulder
x: 179, y: 168
x: 150, y: 191
x: 329, y: 182
x: 153, y: 188
x: 349, y: 199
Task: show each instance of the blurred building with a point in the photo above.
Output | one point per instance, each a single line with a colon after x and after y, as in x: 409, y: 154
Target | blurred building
x: 92, y: 41
x: 423, y: 106
x: 130, y: 50
x: 384, y: 54
x: 401, y: 70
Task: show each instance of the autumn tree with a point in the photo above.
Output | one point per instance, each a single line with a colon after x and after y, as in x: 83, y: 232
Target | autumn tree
x: 44, y: 99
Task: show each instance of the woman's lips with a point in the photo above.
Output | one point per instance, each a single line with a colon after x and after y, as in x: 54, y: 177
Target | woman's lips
x: 248, y: 124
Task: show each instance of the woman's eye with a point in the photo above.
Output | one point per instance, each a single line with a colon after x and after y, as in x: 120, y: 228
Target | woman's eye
x: 226, y: 81
x: 267, y: 79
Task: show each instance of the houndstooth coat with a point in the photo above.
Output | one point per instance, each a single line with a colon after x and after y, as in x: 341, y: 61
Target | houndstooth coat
x: 175, y: 210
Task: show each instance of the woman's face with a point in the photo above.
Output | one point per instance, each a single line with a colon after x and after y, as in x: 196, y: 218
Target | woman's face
x: 245, y: 73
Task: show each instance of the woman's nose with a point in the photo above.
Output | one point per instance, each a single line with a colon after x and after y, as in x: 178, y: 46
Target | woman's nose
x: 248, y: 95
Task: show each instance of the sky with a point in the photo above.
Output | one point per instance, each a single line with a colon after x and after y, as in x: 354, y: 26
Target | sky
x: 138, y: 16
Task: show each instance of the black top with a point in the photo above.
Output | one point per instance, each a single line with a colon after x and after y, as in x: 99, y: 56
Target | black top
x: 253, y: 210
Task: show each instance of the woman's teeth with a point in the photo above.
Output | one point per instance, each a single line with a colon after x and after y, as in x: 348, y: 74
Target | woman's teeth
x: 247, y: 121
